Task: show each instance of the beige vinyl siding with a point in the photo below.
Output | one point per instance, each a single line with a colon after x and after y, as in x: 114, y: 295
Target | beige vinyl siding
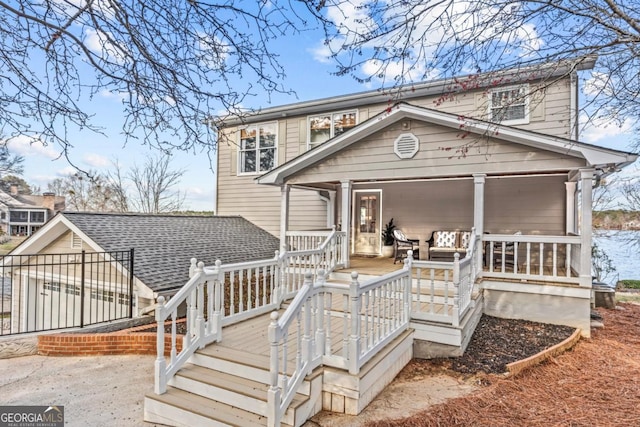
x: 62, y: 245
x: 373, y: 157
x: 260, y: 204
x: 532, y: 205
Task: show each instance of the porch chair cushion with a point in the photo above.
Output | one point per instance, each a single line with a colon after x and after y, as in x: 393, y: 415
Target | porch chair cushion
x: 403, y: 244
x: 445, y: 239
x: 465, y: 237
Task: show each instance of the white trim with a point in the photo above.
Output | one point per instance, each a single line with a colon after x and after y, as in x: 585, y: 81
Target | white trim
x: 239, y: 150
x: 331, y: 127
x: 354, y: 193
x: 522, y: 121
x: 592, y: 154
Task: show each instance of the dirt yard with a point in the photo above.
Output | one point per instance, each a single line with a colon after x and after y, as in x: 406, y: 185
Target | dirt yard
x: 595, y: 384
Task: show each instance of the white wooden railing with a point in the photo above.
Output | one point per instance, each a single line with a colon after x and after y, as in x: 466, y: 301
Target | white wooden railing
x: 224, y: 294
x: 528, y: 257
x: 305, y: 240
x: 442, y: 290
x: 368, y: 316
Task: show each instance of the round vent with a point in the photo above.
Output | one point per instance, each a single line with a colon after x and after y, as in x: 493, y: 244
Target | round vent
x: 406, y: 145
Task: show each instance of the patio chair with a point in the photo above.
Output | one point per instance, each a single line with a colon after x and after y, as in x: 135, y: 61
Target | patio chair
x: 403, y: 245
x: 509, y: 252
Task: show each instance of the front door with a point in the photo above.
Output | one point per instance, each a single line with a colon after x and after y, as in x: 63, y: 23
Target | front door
x: 367, y: 222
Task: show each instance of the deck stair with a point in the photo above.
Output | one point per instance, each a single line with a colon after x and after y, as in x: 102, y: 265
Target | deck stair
x: 223, y: 386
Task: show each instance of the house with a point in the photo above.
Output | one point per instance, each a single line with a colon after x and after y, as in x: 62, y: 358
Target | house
x: 162, y: 246
x: 22, y: 214
x: 492, y: 162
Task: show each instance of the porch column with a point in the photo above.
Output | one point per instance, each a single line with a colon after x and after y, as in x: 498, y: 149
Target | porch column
x: 331, y: 209
x: 284, y: 215
x: 345, y: 215
x: 586, y: 190
x: 570, y: 187
x: 478, y: 214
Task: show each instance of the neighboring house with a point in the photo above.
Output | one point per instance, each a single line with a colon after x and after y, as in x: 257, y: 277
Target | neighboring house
x: 22, y: 214
x: 163, y: 247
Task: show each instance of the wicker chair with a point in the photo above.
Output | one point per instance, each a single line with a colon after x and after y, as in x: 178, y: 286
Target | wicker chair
x: 403, y: 245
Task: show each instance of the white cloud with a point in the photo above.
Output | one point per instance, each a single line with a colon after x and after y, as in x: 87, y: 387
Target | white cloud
x: 321, y: 53
x: 29, y: 146
x: 105, y: 45
x: 96, y: 160
x: 596, y: 130
x: 66, y: 171
x: 114, y: 95
x: 597, y: 84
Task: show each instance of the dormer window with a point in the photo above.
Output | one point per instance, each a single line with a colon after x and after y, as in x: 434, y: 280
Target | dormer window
x: 257, y: 148
x: 509, y: 105
x: 323, y: 127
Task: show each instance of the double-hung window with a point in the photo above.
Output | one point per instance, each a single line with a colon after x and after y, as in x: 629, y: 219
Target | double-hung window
x: 258, y: 144
x: 323, y: 127
x: 509, y: 105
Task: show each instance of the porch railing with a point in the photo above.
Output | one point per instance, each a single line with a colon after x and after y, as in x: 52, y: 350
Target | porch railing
x: 306, y: 240
x: 368, y: 316
x: 441, y: 291
x: 229, y: 293
x: 527, y: 257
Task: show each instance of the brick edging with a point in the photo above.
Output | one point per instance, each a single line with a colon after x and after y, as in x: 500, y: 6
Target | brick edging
x: 126, y: 341
x: 517, y: 367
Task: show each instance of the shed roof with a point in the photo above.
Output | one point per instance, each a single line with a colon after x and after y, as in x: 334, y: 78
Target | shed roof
x: 165, y: 244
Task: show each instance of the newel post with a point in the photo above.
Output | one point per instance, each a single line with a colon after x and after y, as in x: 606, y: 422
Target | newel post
x: 320, y: 336
x: 160, y: 367
x: 278, y: 283
x: 456, y: 287
x: 354, y: 336
x: 218, y: 292
x: 274, y: 392
x: 200, y: 323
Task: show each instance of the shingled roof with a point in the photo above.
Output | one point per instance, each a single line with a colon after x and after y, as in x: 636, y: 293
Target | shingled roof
x: 165, y: 244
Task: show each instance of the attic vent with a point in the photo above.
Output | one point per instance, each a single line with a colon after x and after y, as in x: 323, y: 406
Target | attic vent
x: 76, y: 241
x: 406, y: 145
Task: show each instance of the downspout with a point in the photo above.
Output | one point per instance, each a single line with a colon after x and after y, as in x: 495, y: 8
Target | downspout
x: 573, y: 115
x: 330, y: 201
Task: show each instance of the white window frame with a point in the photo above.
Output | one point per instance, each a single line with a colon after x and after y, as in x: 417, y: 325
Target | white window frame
x: 519, y: 121
x: 332, y: 133
x: 239, y: 167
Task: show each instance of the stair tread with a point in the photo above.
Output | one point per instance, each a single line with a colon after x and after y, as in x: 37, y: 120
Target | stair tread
x: 208, y: 408
x: 253, y: 389
x: 234, y: 355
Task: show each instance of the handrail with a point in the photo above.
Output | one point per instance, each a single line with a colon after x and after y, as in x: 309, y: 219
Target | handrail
x: 373, y: 314
x: 223, y: 294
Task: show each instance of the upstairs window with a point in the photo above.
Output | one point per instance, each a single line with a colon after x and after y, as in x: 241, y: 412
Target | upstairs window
x: 37, y: 216
x: 509, y: 105
x: 258, y: 148
x: 323, y: 127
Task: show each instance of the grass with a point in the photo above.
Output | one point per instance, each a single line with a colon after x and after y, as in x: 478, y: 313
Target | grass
x: 629, y: 284
x: 7, y: 247
x: 628, y: 297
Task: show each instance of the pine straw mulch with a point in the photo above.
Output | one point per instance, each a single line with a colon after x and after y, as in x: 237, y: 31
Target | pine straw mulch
x: 597, y: 383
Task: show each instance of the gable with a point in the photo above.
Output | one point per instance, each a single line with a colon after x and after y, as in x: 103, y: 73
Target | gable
x: 440, y: 152
x: 459, y: 127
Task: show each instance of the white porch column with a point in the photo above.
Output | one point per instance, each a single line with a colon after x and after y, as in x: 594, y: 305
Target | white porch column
x: 284, y: 215
x: 586, y: 190
x: 345, y: 215
x: 331, y: 209
x: 570, y: 187
x: 478, y: 214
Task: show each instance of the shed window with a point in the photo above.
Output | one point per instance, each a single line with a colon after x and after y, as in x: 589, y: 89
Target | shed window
x: 509, y: 105
x: 258, y: 148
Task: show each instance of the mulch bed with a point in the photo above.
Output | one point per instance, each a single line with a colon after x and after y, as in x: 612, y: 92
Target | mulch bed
x: 597, y: 383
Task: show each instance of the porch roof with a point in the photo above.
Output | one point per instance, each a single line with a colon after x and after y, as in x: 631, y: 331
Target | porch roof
x: 599, y: 157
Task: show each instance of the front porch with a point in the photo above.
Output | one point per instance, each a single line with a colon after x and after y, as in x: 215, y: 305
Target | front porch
x: 272, y: 342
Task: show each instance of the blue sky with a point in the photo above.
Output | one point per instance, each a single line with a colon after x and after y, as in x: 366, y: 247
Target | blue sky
x: 308, y: 74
